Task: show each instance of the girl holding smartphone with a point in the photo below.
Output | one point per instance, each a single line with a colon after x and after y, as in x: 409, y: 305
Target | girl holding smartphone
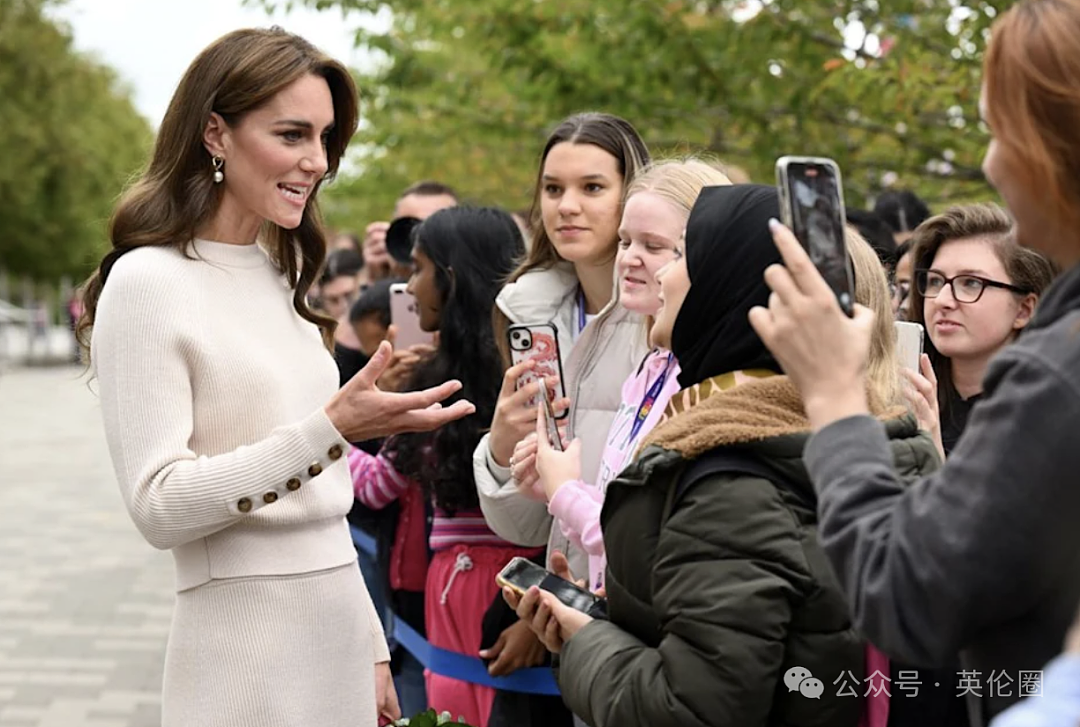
x: 568, y: 279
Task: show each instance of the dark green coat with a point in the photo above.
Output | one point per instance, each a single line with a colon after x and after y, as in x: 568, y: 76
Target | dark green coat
x: 713, y: 598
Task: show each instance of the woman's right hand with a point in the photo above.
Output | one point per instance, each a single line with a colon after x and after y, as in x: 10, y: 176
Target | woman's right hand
x: 514, y: 418
x: 523, y: 470
x: 361, y: 411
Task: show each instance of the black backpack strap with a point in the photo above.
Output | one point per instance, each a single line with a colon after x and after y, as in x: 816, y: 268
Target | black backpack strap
x: 733, y: 461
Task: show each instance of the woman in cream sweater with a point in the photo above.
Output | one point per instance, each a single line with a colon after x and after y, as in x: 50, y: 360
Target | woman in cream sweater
x: 220, y: 398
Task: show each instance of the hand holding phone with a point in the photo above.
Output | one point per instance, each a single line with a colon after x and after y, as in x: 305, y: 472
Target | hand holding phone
x: 812, y: 205
x: 521, y: 574
x: 538, y: 342
x: 548, y: 415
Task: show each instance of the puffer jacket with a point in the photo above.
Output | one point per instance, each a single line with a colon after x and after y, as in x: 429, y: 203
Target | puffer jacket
x: 604, y: 355
x: 715, y: 595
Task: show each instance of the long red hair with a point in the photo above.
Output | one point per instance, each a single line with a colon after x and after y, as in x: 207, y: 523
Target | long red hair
x: 1032, y: 76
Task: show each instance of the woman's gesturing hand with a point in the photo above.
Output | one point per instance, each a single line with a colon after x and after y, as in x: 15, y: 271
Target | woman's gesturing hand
x: 821, y: 350
x: 361, y: 411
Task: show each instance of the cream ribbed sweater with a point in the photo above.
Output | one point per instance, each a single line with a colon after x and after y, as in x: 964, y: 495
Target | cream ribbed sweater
x: 212, y: 390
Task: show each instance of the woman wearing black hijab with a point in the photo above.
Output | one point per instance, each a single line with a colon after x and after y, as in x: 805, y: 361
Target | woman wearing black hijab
x: 723, y: 610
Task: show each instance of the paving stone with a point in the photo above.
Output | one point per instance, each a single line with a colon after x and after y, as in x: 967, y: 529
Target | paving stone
x: 85, y: 603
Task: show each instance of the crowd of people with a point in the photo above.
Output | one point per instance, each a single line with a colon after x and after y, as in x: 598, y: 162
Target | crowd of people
x: 786, y: 525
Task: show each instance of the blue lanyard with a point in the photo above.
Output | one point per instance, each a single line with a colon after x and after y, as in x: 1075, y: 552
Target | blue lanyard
x: 649, y: 400
x: 582, y: 320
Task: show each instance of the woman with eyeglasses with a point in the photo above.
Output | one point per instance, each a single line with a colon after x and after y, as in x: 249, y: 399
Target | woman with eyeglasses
x: 975, y: 290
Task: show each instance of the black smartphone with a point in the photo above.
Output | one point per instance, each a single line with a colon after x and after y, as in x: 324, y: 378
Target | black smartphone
x: 812, y: 204
x: 521, y: 574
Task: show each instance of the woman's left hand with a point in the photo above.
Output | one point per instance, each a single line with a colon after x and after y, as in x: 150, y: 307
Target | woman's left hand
x: 386, y: 700
x: 823, y: 351
x: 553, y: 622
x: 555, y: 468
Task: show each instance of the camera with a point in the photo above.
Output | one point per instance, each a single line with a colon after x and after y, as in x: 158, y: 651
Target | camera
x: 520, y: 340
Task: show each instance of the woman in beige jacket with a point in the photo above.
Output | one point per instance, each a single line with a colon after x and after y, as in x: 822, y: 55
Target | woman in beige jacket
x: 567, y: 279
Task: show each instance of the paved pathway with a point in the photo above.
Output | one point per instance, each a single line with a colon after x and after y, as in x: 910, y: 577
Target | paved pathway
x: 85, y: 603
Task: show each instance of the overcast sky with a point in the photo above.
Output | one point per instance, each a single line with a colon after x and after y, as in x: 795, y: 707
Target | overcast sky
x: 151, y: 42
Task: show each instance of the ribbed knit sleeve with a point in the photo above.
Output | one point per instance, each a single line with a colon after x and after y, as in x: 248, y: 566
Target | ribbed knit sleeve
x: 144, y: 348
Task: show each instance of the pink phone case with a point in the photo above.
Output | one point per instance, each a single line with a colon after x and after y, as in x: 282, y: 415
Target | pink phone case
x: 538, y: 342
x: 405, y: 317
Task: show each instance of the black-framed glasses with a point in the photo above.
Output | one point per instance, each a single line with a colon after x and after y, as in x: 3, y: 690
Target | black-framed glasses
x: 965, y: 288
x: 900, y: 290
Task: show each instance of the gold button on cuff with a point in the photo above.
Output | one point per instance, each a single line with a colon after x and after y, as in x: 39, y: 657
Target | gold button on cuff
x: 315, y: 469
x: 270, y: 497
x: 335, y: 452
x: 244, y: 504
x: 293, y: 485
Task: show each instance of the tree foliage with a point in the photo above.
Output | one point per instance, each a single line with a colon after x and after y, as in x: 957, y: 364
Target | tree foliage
x: 465, y: 91
x: 71, y: 138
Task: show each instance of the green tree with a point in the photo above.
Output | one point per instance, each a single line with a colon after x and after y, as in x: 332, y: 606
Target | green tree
x: 464, y: 91
x: 71, y: 139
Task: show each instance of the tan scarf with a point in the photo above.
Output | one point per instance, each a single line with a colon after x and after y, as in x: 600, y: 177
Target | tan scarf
x: 689, y: 397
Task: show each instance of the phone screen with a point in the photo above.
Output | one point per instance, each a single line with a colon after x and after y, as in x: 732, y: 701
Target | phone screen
x: 817, y: 219
x: 522, y: 574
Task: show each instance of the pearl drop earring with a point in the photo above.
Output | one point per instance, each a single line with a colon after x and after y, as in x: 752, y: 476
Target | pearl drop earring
x: 218, y: 163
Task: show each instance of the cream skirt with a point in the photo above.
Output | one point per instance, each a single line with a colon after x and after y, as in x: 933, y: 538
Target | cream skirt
x: 274, y: 651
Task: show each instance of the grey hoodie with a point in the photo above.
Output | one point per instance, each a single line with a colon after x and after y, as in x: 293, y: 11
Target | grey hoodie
x: 982, y: 557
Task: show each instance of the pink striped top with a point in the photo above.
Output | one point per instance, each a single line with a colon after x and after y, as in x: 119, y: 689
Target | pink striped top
x: 376, y: 484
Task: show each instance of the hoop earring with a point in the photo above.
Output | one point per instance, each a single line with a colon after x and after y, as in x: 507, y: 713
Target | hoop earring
x: 218, y: 163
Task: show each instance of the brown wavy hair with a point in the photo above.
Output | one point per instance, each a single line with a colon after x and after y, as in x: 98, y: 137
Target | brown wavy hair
x: 614, y: 135
x: 1032, y: 77
x: 176, y: 195
x: 1024, y: 268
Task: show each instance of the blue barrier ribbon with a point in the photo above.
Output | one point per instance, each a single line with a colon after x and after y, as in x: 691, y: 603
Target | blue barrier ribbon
x: 364, y: 542
x: 451, y: 664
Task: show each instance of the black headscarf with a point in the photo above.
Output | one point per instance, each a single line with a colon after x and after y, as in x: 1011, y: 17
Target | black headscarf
x: 728, y: 247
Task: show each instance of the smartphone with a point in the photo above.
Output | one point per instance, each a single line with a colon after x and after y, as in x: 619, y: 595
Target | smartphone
x: 406, y: 318
x: 812, y: 204
x: 909, y: 344
x: 549, y: 417
x: 521, y: 574
x: 540, y: 343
